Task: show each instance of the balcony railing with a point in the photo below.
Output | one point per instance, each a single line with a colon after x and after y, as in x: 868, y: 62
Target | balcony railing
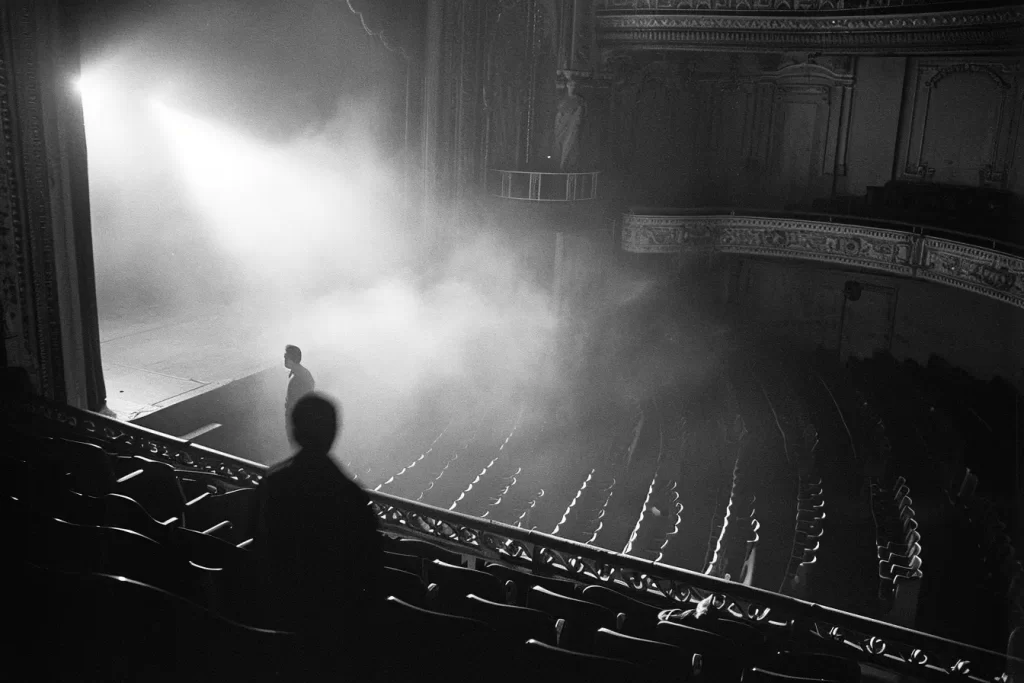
x: 837, y: 26
x: 954, y: 258
x: 893, y: 647
x: 542, y: 186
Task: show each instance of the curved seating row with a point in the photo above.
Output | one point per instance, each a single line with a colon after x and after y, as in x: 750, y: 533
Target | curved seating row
x: 809, y: 529
x: 899, y: 550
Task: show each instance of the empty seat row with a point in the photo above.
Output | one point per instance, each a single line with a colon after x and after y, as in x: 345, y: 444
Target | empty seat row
x: 810, y: 518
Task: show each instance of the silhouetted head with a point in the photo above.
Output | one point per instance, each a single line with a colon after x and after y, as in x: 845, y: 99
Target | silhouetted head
x: 315, y: 422
x: 292, y: 356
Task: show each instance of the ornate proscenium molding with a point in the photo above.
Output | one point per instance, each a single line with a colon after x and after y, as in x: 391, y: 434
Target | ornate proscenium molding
x: 909, y: 252
x: 647, y: 26
x: 909, y: 652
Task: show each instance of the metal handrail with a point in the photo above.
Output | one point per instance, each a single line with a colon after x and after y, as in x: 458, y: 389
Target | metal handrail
x: 885, y: 644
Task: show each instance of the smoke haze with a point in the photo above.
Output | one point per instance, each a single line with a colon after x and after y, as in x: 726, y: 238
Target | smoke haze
x: 247, y: 157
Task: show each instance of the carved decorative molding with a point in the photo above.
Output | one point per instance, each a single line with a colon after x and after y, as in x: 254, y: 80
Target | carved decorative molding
x: 969, y: 67
x: 909, y: 652
x: 984, y: 271
x: 968, y: 30
x: 988, y: 90
x: 758, y: 5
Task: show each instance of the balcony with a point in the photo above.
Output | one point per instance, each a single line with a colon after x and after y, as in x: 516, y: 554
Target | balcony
x: 985, y: 266
x: 542, y: 186
x: 846, y: 26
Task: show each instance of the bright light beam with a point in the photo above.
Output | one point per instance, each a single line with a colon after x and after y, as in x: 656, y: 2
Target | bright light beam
x: 270, y: 207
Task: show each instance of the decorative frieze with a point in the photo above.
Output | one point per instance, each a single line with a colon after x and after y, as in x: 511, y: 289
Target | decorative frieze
x: 653, y: 27
x: 984, y: 271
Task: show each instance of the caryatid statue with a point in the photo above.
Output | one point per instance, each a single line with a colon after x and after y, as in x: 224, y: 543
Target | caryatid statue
x: 568, y: 125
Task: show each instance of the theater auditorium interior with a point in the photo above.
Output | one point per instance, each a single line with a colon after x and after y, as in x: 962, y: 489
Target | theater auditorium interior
x: 673, y: 339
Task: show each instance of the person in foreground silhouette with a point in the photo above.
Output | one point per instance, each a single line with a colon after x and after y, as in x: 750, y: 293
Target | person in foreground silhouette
x: 300, y: 383
x: 317, y: 543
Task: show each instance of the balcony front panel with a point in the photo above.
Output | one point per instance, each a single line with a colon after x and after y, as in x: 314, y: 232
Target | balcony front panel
x: 911, y: 252
x: 542, y: 186
x: 736, y: 25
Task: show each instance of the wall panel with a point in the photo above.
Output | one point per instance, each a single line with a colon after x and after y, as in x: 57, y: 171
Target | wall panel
x: 960, y: 117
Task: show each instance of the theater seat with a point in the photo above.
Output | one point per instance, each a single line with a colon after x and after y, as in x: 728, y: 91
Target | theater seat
x: 154, y: 486
x: 517, y: 624
x: 415, y: 637
x: 207, y: 511
x: 817, y: 666
x: 106, y: 628
x: 721, y: 658
x: 756, y: 675
x: 641, y: 618
x: 57, y: 544
x: 650, y: 654
x: 455, y: 583
x: 522, y: 581
x: 582, y: 618
x: 559, y: 665
x: 407, y: 587
x: 209, y: 551
x: 424, y: 549
x: 407, y: 563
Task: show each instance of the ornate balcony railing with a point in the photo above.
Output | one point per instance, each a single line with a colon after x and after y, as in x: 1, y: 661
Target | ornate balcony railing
x: 896, y: 648
x: 933, y: 254
x: 542, y: 186
x: 788, y: 6
x: 847, y: 26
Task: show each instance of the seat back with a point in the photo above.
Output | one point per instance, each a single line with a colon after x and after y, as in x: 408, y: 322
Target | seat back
x: 123, y: 512
x: 516, y: 623
x: 112, y: 628
x: 522, y: 581
x: 209, y: 551
x: 757, y: 675
x: 549, y: 663
x: 817, y: 666
x: 641, y: 618
x: 424, y: 549
x: 235, y: 507
x: 582, y: 618
x: 156, y: 488
x: 405, y: 586
x: 455, y: 583
x: 407, y: 563
x: 741, y: 633
x: 90, y: 467
x: 651, y: 654
x: 423, y: 634
x: 720, y: 657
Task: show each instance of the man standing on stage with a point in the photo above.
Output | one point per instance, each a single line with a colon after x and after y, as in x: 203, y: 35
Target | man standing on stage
x: 300, y: 383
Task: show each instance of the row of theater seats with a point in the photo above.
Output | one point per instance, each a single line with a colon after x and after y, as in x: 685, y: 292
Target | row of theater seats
x: 899, y: 549
x: 123, y: 605
x: 599, y: 632
x: 738, y: 535
x: 998, y: 572
x: 659, y: 521
x: 810, y: 520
